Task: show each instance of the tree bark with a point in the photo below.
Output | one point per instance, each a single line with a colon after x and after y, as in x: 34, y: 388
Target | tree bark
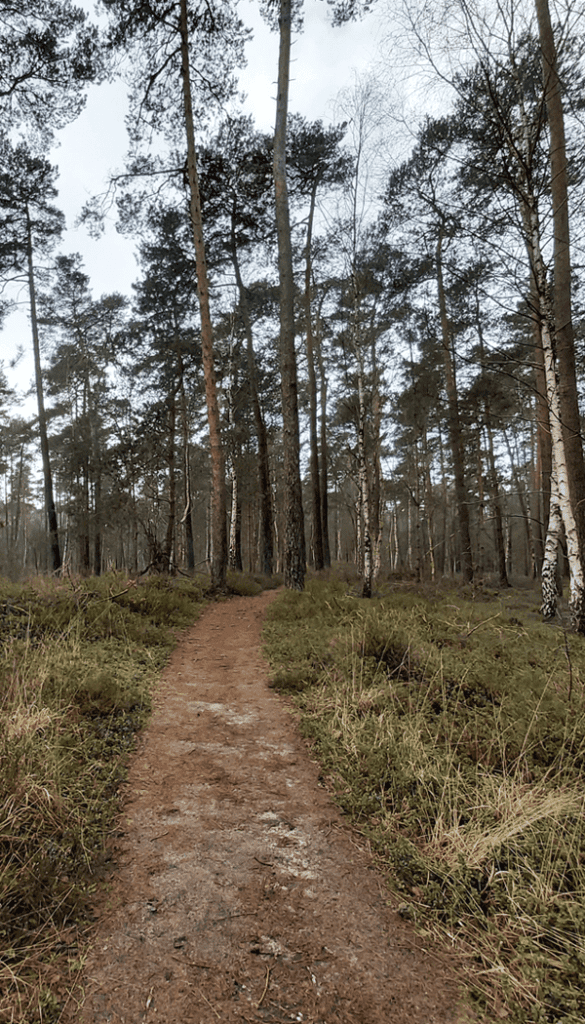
x: 366, y: 564
x: 561, y: 466
x: 266, y: 511
x: 324, y: 464
x: 376, y: 463
x: 187, y: 514
x: 47, y: 475
x: 454, y: 424
x: 235, y: 548
x: 172, y: 513
x: 549, y: 572
x: 563, y: 345
x: 543, y: 445
x: 316, y: 515
x: 503, y: 580
x: 218, y: 552
x: 295, y: 553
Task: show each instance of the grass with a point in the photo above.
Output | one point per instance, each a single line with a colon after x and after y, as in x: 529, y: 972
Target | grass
x: 78, y: 660
x: 248, y: 584
x: 451, y: 729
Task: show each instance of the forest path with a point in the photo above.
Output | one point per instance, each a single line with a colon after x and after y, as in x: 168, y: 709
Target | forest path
x: 239, y: 893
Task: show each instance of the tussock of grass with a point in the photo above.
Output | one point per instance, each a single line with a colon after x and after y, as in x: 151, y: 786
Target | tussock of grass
x: 248, y: 584
x: 77, y: 662
x: 454, y: 736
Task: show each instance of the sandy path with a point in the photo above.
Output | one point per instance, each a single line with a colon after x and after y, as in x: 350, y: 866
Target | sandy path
x: 239, y: 894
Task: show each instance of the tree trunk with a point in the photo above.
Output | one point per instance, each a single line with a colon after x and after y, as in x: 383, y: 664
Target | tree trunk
x: 316, y: 515
x: 172, y: 513
x: 55, y: 559
x: 543, y: 444
x: 538, y: 305
x: 560, y: 463
x: 563, y: 344
x: 550, y: 561
x: 367, y: 554
x: 503, y: 580
x: 454, y: 425
x: 295, y: 555
x: 562, y: 497
x: 521, y: 492
x: 376, y: 488
x: 235, y: 548
x: 97, y: 521
x: 218, y: 553
x: 324, y: 467
x: 187, y: 514
x: 266, y: 512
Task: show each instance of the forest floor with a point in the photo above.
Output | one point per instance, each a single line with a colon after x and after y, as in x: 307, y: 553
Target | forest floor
x: 237, y: 891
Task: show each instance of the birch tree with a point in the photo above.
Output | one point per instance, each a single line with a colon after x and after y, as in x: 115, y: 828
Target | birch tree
x: 500, y: 113
x: 561, y: 382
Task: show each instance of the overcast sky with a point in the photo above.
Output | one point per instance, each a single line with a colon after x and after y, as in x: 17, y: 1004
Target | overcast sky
x: 324, y: 60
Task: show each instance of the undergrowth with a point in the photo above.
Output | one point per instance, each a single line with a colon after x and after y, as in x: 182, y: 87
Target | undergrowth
x: 453, y: 734
x: 77, y: 663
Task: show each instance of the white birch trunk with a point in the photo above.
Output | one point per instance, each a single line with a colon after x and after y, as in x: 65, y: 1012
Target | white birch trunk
x: 561, y: 486
x: 550, y: 592
x: 561, y: 497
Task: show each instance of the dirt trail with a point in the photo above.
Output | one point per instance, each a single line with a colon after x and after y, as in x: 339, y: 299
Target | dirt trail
x: 239, y: 893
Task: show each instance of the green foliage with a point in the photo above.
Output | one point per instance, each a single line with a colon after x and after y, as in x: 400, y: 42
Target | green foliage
x: 77, y: 663
x: 249, y: 584
x: 453, y: 734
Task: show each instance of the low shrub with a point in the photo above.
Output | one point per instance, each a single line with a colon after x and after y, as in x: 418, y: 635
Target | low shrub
x: 248, y: 584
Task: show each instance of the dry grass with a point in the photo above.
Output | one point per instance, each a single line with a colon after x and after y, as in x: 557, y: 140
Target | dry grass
x: 77, y: 663
x: 453, y: 733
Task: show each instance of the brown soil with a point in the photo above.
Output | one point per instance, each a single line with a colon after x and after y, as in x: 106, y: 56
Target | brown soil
x: 239, y: 893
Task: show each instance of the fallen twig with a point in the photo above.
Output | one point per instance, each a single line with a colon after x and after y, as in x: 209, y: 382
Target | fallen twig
x: 207, y: 1001
x: 261, y: 1000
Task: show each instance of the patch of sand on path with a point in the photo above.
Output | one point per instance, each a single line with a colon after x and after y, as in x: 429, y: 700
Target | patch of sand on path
x: 239, y: 894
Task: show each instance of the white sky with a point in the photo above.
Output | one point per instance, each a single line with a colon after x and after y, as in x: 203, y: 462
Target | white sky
x: 324, y: 61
